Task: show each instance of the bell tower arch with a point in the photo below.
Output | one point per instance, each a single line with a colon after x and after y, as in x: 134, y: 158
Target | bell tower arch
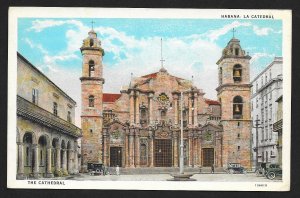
x: 234, y: 96
x: 91, y: 99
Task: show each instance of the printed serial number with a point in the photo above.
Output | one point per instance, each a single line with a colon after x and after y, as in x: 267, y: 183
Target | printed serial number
x: 261, y: 185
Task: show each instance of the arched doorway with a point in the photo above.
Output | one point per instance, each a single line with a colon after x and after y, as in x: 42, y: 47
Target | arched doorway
x: 28, y: 154
x: 143, y: 154
x: 55, y: 145
x: 42, y: 155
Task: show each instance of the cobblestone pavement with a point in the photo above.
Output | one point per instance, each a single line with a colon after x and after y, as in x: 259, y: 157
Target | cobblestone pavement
x: 249, y: 177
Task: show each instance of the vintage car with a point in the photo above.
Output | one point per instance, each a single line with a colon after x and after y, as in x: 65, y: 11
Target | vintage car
x: 273, y: 170
x: 96, y: 169
x: 235, y: 168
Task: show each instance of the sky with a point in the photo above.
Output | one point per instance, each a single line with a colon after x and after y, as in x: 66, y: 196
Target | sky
x: 190, y: 47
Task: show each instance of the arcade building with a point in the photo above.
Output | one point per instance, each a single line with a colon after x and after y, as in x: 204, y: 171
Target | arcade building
x: 140, y: 126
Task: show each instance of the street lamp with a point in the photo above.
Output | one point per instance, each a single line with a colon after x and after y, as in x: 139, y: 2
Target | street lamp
x: 256, y: 139
x: 181, y: 176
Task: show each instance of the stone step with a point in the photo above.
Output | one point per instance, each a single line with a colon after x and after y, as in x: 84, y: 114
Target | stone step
x: 162, y: 170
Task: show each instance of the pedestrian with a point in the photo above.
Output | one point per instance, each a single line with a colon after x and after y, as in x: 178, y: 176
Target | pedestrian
x: 118, y: 170
x: 212, y: 169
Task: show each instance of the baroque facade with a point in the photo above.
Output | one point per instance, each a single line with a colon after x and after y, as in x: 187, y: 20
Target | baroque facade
x: 140, y: 127
x: 46, y: 135
x: 266, y: 89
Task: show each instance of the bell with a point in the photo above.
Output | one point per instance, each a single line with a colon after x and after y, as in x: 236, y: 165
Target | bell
x: 237, y: 109
x: 237, y: 73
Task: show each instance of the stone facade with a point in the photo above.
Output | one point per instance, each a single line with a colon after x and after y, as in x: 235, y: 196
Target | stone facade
x: 91, y: 100
x: 46, y: 135
x: 234, y: 96
x: 266, y: 89
x: 141, y: 126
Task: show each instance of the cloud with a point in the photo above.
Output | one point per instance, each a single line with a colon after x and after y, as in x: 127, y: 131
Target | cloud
x: 263, y: 31
x: 40, y: 25
x: 34, y: 45
x: 215, y: 34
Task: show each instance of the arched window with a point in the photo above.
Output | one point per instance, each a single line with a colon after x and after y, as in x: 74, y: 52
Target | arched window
x: 236, y: 51
x: 185, y: 118
x: 143, y: 119
x: 91, y: 101
x: 91, y: 68
x: 237, y: 107
x: 55, y: 108
x: 91, y: 42
x: 237, y: 73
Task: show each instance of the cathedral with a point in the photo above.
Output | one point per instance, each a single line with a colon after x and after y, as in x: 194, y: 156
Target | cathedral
x: 141, y: 125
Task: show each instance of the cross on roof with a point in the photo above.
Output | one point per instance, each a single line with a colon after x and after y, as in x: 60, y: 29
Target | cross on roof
x: 161, y: 57
x: 92, y: 22
x: 233, y: 31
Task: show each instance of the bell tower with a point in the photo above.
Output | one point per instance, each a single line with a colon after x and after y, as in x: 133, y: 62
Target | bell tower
x: 91, y: 99
x: 234, y: 97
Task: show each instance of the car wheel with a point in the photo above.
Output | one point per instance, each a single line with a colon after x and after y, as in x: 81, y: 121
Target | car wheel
x: 271, y: 175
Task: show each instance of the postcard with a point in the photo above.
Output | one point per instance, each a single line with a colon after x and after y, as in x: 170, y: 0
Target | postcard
x: 149, y: 99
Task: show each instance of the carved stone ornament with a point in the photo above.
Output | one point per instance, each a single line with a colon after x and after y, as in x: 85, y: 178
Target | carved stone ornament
x: 162, y: 134
x: 208, y: 136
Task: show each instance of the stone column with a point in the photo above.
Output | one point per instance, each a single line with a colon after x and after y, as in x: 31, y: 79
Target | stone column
x: 57, y: 164
x: 175, y: 148
x: 200, y: 149
x: 175, y: 97
x: 131, y: 108
x: 151, y: 147
x: 20, y: 173
x: 105, y: 147
x: 36, y: 161
x: 137, y: 148
x: 137, y: 108
x: 150, y: 108
x: 49, y: 173
x: 70, y: 162
x: 190, y: 110
x: 126, y: 148
x: 218, y: 152
x: 195, y: 109
x: 190, y: 138
x: 64, y: 162
x: 195, y: 150
x: 76, y: 170
x: 131, y: 147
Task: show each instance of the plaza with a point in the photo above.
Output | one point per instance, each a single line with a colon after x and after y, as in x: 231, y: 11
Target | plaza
x: 204, y: 177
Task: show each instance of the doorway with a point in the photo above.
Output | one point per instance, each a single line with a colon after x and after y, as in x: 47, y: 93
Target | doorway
x: 208, y: 157
x: 116, y: 156
x: 163, y: 152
